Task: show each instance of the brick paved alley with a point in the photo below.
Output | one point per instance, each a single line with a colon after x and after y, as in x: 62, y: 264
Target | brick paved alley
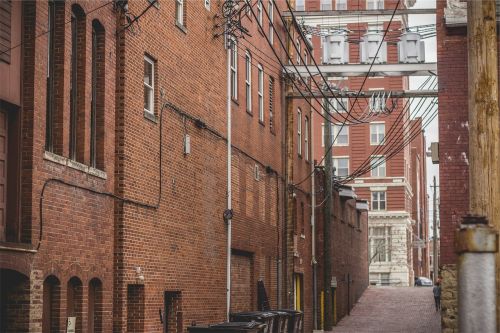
x: 392, y: 309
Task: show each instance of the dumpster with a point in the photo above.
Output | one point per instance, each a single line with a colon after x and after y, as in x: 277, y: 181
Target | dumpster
x: 295, y: 322
x: 281, y: 321
x: 230, y: 327
x: 265, y: 317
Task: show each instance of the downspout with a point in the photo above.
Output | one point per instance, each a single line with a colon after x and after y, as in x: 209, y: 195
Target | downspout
x: 229, y: 45
x: 313, y: 228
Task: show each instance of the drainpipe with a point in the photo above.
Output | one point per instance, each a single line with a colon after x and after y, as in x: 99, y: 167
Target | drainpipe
x: 313, y: 229
x: 228, y: 217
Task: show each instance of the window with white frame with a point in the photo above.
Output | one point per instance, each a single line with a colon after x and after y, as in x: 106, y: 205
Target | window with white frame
x: 260, y: 92
x: 207, y: 4
x: 378, y: 200
x: 298, y: 51
x: 149, y: 84
x: 270, y: 12
x: 326, y: 4
x: 234, y: 70
x: 340, y: 135
x: 339, y: 104
x: 341, y: 165
x: 306, y: 138
x: 341, y: 4
x: 377, y: 164
x: 299, y: 132
x: 374, y: 4
x: 248, y: 80
x: 300, y: 5
x: 179, y: 11
x: 379, y: 248
x: 375, y: 27
x: 259, y: 12
x: 377, y: 133
x: 306, y: 62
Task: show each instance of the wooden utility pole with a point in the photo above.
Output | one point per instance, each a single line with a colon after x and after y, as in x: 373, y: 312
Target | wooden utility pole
x: 484, y: 148
x: 327, y: 223
x: 434, y: 234
x: 290, y: 225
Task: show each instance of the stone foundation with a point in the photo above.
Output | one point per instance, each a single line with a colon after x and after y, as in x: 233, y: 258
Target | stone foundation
x: 449, y: 304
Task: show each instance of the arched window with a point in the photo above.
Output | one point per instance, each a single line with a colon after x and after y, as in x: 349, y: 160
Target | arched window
x: 98, y: 100
x: 51, y: 304
x: 95, y: 306
x: 74, y: 301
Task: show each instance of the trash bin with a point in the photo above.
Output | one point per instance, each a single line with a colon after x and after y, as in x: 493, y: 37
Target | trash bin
x: 265, y: 317
x: 295, y: 322
x: 230, y: 327
x: 281, y: 321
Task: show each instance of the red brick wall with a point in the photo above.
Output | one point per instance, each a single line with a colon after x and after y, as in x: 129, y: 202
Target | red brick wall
x: 453, y: 132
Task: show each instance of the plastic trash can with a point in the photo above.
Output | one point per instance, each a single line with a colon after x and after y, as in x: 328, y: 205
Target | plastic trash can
x: 295, y: 322
x: 230, y: 327
x: 265, y: 317
x: 281, y: 321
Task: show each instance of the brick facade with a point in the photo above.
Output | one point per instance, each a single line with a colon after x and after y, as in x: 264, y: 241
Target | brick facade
x: 129, y: 235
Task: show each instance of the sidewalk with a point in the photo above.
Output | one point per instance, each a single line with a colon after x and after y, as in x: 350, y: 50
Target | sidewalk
x: 391, y: 310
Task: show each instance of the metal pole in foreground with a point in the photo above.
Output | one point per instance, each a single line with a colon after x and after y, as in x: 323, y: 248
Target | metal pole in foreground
x: 476, y: 244
x: 434, y: 236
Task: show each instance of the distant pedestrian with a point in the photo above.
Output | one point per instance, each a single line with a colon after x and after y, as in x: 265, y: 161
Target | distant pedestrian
x: 437, y: 295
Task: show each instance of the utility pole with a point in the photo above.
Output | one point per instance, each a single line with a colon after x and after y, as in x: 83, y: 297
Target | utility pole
x: 477, y: 242
x: 434, y: 234
x: 327, y: 223
x: 290, y: 225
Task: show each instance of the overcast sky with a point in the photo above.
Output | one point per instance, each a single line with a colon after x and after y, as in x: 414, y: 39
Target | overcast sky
x: 431, y: 132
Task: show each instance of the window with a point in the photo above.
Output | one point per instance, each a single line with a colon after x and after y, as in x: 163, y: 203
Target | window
x: 377, y: 133
x: 51, y: 304
x: 341, y: 4
x: 271, y: 104
x: 234, y: 69
x: 95, y: 309
x: 326, y: 4
x: 306, y: 138
x: 271, y: 20
x: 377, y: 164
x: 341, y: 165
x: 298, y: 52
x: 260, y: 92
x: 207, y: 4
x: 378, y: 200
x: 305, y: 58
x: 340, y: 135
x: 77, y: 112
x: 374, y: 4
x: 300, y: 5
x: 248, y: 80
x: 50, y: 76
x: 5, y: 31
x: 379, y: 244
x: 259, y: 12
x: 149, y: 88
x: 339, y: 104
x: 299, y: 132
x: 179, y: 12
x: 97, y: 95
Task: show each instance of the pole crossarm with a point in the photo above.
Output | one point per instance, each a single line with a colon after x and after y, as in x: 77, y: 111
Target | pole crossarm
x: 376, y: 12
x: 370, y: 93
x: 353, y: 70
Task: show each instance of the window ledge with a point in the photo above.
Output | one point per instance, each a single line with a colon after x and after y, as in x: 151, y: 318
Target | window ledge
x: 151, y: 117
x: 17, y: 247
x: 262, y: 123
x: 49, y: 156
x: 156, y: 4
x: 181, y: 27
x: 249, y: 112
x: 235, y: 101
x: 302, y: 236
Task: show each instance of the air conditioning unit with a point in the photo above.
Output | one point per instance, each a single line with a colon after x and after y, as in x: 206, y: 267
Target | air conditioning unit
x: 369, y: 46
x: 336, y: 49
x: 411, y: 48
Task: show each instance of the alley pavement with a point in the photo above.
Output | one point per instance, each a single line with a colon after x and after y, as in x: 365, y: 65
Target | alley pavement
x: 391, y: 310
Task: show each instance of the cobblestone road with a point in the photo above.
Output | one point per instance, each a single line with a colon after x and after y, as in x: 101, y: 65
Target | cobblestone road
x: 391, y: 310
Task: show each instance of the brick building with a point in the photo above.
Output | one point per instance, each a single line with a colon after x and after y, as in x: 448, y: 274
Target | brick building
x: 114, y: 174
x: 396, y: 186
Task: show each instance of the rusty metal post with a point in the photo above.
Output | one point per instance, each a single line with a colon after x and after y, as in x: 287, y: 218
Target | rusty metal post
x: 476, y: 244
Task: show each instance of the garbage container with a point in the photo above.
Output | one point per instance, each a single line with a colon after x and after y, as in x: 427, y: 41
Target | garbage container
x: 281, y: 321
x: 295, y: 322
x: 230, y: 327
x: 265, y: 317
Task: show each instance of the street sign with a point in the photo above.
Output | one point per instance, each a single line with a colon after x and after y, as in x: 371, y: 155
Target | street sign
x: 70, y: 328
x: 420, y: 243
x: 333, y: 283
